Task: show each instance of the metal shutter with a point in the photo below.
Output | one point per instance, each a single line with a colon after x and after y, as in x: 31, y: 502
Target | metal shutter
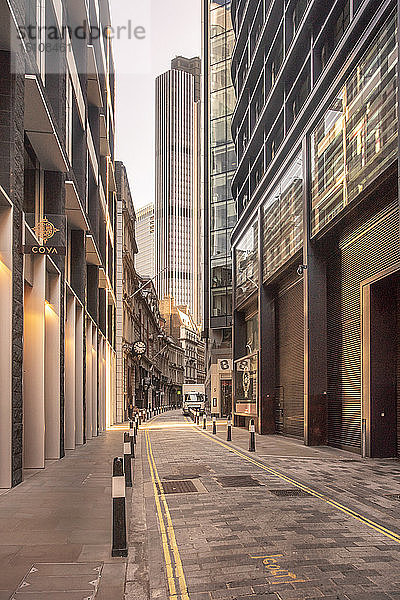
x: 290, y: 355
x: 365, y: 248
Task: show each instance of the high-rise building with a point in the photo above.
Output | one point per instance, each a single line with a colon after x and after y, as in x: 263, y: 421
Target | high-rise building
x: 145, y: 239
x: 316, y: 248
x: 219, y: 206
x: 57, y: 232
x: 177, y: 202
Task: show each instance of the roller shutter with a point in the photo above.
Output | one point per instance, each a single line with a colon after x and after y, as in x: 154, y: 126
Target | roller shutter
x: 365, y: 248
x: 290, y: 356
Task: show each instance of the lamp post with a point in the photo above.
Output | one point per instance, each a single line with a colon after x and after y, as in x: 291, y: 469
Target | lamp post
x: 147, y: 282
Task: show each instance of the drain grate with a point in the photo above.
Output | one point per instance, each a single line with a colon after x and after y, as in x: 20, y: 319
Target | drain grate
x: 179, y: 487
x: 238, y: 481
x: 291, y: 493
x: 393, y: 496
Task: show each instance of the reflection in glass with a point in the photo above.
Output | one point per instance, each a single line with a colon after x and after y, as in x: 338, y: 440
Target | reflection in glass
x: 218, y: 215
x: 357, y: 137
x: 283, y: 219
x: 246, y: 253
x: 218, y: 132
x: 218, y: 76
x: 246, y: 385
x: 217, y: 20
x: 218, y: 49
x: 218, y: 243
x: 218, y: 104
x: 218, y: 192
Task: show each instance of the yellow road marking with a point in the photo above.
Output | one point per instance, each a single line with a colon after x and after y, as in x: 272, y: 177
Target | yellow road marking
x: 164, y: 536
x: 168, y: 529
x: 348, y: 511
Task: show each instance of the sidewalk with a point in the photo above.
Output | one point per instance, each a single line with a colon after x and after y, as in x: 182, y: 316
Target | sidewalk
x: 370, y: 485
x: 62, y: 515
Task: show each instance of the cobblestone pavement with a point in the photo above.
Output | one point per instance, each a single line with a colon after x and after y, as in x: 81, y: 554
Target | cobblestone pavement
x: 55, y: 529
x: 287, y: 522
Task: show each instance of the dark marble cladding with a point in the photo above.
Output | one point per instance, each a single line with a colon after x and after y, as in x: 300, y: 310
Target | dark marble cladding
x: 11, y: 178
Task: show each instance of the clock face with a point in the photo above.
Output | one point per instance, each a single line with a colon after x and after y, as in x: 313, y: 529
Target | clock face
x: 139, y: 347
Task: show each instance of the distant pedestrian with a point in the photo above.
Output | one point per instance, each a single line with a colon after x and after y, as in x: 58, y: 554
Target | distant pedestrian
x: 130, y: 410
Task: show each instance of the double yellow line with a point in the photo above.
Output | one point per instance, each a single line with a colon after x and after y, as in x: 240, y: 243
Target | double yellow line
x: 175, y: 575
x: 344, y: 509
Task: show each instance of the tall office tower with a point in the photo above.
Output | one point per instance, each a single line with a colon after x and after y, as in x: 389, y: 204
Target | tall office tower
x: 219, y: 207
x: 144, y: 260
x: 316, y: 247
x: 177, y: 204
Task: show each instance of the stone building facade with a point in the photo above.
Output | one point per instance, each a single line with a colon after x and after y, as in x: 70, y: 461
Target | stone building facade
x: 57, y: 217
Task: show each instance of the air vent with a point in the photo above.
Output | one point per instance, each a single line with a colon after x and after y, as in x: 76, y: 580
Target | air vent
x: 179, y: 487
x: 291, y: 493
x: 238, y: 481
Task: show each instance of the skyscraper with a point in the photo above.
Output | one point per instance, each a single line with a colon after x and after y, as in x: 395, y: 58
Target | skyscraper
x: 145, y: 240
x: 177, y: 183
x: 219, y: 207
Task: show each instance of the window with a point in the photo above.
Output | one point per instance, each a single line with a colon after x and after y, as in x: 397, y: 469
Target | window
x: 68, y: 117
x: 33, y: 186
x: 357, y: 137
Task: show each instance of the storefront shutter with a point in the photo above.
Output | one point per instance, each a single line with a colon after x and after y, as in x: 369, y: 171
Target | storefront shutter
x: 290, y: 355
x: 365, y: 248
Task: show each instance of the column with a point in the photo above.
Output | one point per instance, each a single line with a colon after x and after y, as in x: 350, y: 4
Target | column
x: 79, y: 374
x: 6, y: 346
x: 34, y: 364
x: 70, y: 375
x: 52, y: 367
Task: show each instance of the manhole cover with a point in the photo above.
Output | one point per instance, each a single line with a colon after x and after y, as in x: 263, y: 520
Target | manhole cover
x: 291, y: 493
x: 179, y: 487
x: 238, y: 481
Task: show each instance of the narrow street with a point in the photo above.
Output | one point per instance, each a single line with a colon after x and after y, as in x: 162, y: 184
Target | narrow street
x: 289, y: 522
x: 206, y: 520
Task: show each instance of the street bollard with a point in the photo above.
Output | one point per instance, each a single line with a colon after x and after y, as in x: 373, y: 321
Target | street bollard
x: 252, y: 429
x: 119, y: 538
x: 214, y: 422
x: 127, y: 460
x: 136, y: 426
x: 132, y: 438
x: 229, y: 431
x: 204, y: 421
x: 197, y: 416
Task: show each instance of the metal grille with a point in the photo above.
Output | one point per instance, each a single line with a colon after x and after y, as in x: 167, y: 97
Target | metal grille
x: 366, y: 248
x: 291, y: 493
x: 290, y: 367
x: 178, y: 487
x: 393, y: 496
x: 238, y: 481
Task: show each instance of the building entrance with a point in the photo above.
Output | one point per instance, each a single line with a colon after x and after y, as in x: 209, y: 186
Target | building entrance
x: 381, y: 366
x: 226, y: 397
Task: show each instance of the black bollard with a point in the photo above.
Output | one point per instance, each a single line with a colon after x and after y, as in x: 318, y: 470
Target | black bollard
x: 204, y: 421
x: 252, y: 429
x: 132, y: 438
x: 214, y: 422
x: 119, y: 539
x: 229, y: 432
x: 136, y: 426
x: 127, y: 460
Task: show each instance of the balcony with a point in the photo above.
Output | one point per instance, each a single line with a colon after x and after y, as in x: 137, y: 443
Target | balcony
x: 40, y: 128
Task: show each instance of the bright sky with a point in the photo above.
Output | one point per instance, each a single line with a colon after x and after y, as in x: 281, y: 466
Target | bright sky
x: 173, y: 27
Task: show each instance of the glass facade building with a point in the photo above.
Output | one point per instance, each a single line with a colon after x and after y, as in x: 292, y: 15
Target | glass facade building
x: 219, y: 207
x: 222, y: 160
x: 317, y: 244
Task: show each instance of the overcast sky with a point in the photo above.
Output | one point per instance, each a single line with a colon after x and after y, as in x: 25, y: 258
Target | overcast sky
x: 173, y: 27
